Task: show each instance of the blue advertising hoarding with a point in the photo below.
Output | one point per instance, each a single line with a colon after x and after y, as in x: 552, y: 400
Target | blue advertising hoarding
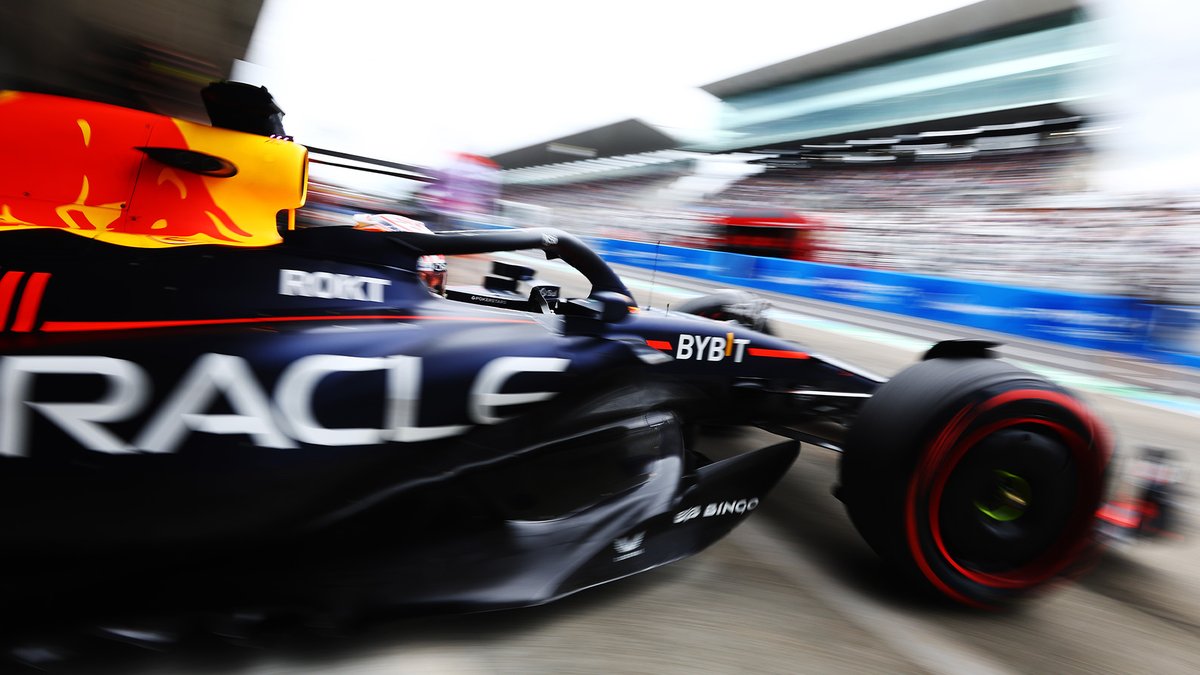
x: 1119, y: 324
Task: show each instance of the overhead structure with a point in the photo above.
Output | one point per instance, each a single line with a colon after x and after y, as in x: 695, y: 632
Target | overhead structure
x: 621, y: 148
x: 152, y: 55
x: 950, y: 76
x: 601, y: 167
x: 992, y: 76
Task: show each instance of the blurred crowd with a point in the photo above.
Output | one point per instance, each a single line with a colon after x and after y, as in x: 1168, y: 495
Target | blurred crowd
x: 1151, y: 253
x: 995, y: 180
x: 1021, y: 219
x: 638, y: 208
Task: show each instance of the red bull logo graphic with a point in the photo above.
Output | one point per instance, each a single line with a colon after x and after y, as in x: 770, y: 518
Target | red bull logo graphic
x: 87, y: 168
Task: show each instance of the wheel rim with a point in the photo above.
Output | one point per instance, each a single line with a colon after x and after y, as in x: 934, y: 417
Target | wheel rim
x: 1006, y: 501
x: 1009, y: 499
x: 965, y: 432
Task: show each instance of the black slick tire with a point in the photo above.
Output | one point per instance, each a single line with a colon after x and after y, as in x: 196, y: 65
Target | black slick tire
x: 978, y: 478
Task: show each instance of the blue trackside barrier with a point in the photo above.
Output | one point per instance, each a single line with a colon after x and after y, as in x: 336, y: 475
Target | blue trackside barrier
x: 1120, y: 324
x: 1175, y: 334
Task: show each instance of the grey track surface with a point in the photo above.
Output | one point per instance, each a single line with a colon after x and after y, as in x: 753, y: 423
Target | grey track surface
x: 794, y: 590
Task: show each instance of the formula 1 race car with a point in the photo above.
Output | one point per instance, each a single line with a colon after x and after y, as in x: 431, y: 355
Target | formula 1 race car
x: 201, y: 406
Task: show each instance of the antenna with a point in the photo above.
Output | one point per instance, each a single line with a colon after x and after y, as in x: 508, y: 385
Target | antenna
x: 653, y: 274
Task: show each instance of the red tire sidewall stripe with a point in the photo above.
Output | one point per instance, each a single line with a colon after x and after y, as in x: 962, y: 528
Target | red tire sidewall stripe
x: 1034, y: 573
x: 931, y: 469
x: 914, y: 545
x: 948, y: 433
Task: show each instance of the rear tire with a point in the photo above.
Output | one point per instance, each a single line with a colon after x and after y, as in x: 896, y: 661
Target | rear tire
x: 976, y: 477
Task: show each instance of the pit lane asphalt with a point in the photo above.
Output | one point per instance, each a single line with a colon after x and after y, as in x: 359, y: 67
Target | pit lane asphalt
x: 794, y: 589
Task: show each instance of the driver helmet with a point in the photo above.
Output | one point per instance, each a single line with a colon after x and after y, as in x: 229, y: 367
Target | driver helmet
x: 430, y: 268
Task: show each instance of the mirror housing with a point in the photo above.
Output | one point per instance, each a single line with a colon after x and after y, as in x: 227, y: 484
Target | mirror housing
x: 601, y: 307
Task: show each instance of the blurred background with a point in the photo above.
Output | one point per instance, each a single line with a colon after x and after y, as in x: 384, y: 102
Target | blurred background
x: 1023, y: 146
x: 978, y: 140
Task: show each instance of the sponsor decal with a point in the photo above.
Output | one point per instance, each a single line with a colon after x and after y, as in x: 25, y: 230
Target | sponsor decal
x: 629, y: 547
x: 686, y: 515
x: 718, y: 348
x: 331, y: 286
x: 490, y: 300
x: 714, y: 509
x: 711, y: 347
x: 281, y: 418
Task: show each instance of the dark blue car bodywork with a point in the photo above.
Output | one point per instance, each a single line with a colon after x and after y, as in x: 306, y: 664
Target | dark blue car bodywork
x: 307, y: 423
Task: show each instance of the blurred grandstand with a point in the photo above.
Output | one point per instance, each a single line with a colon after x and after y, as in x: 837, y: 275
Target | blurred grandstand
x: 957, y: 145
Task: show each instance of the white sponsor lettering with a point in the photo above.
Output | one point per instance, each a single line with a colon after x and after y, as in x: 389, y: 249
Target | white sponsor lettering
x: 486, y: 396
x: 128, y: 388
x: 710, y: 348
x: 331, y: 286
x: 279, y: 420
x: 684, y: 350
x: 737, y: 506
x: 716, y: 350
x: 214, y: 375
x: 491, y: 300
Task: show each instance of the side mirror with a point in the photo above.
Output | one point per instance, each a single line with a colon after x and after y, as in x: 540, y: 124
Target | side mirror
x: 602, y: 306
x: 614, y: 307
